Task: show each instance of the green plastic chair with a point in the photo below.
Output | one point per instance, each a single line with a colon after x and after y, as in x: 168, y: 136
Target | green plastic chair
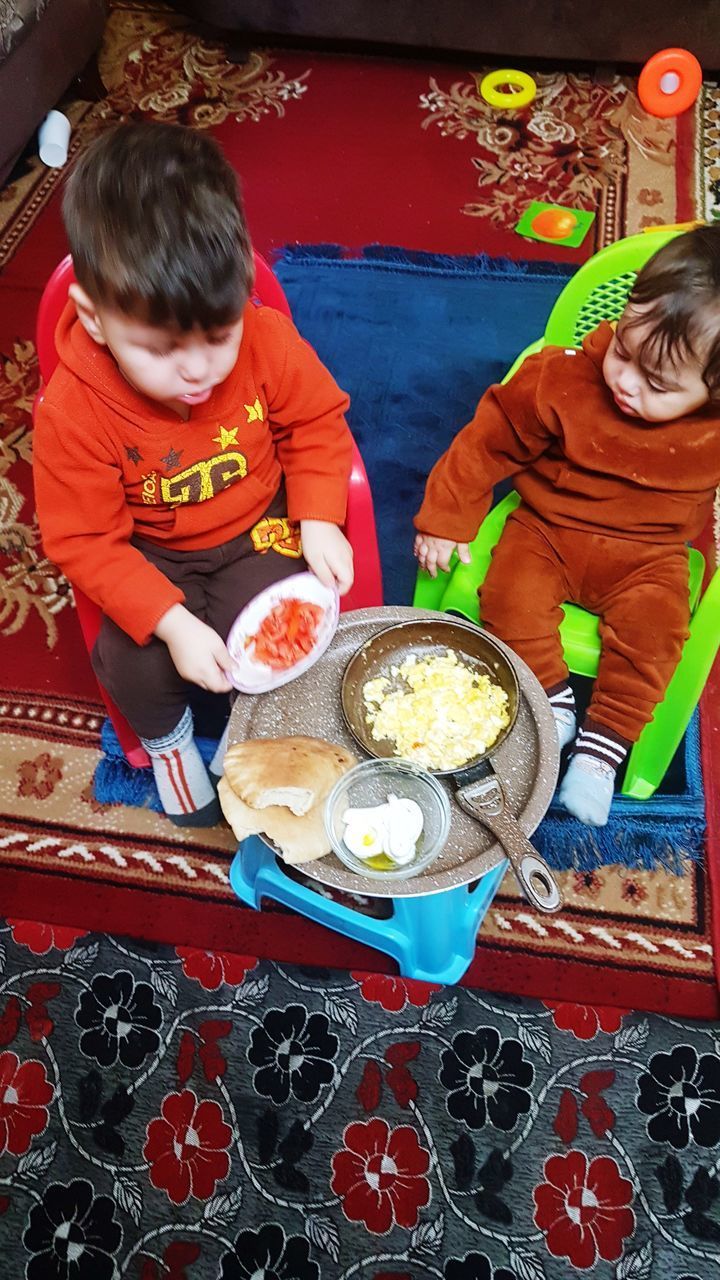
x: 599, y: 291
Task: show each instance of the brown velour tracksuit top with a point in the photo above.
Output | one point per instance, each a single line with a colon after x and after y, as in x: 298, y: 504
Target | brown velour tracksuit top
x: 575, y: 458
x: 608, y: 503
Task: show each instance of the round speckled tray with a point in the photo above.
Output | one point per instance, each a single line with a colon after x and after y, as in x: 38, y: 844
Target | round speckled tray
x: 526, y: 762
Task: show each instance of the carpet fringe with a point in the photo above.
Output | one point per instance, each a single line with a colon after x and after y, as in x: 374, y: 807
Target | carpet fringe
x: 480, y: 264
x: 568, y: 845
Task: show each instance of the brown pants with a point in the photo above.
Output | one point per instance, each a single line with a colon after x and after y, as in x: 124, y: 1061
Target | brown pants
x: 639, y: 590
x: 218, y: 583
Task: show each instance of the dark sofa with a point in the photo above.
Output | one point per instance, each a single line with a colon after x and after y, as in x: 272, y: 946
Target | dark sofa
x: 44, y: 44
x: 613, y: 31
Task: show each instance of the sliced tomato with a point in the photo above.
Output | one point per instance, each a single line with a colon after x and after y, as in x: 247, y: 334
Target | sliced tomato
x: 287, y: 633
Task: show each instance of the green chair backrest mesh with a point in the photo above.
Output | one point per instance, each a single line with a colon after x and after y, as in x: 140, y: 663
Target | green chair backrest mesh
x: 606, y: 302
x: 600, y: 289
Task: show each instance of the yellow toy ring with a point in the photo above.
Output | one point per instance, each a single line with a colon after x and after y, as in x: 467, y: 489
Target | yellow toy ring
x: 520, y: 91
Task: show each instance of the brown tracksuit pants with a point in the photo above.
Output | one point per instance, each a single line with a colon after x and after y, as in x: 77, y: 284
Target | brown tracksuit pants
x: 218, y: 582
x: 638, y: 589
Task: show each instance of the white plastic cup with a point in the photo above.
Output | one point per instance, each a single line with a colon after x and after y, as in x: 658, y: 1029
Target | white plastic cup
x: 53, y: 139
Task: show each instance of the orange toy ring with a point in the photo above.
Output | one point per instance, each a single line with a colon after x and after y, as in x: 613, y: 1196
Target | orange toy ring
x: 669, y: 82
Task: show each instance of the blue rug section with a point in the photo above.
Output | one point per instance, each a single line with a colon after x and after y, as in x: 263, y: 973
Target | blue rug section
x: 116, y: 782
x: 415, y: 339
x: 665, y: 831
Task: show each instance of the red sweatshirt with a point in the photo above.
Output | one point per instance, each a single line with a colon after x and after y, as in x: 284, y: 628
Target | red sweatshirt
x: 110, y: 463
x: 577, y: 460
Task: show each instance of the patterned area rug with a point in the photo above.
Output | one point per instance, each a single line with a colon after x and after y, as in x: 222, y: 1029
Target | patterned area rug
x: 634, y: 938
x: 285, y: 118
x: 188, y: 1115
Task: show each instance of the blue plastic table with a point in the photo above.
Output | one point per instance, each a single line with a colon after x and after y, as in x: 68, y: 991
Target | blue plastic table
x: 432, y: 936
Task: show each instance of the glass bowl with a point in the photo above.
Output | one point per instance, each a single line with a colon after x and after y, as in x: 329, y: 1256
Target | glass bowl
x: 370, y: 784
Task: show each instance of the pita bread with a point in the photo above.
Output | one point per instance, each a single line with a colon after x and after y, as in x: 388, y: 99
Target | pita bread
x: 299, y: 839
x: 293, y: 772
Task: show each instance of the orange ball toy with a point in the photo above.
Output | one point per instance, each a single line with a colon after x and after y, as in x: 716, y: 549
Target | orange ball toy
x: 554, y: 224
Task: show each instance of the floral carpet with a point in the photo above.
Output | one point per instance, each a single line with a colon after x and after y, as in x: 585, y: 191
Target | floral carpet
x: 189, y: 1115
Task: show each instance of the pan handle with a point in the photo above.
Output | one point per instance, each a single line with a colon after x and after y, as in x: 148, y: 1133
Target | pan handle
x: 531, y: 871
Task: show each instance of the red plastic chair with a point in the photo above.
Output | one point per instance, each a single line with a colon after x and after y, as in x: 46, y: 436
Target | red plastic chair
x: 360, y: 531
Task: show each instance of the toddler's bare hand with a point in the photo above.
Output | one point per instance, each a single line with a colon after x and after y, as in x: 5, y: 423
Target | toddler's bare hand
x: 435, y: 553
x: 328, y: 553
x: 197, y: 651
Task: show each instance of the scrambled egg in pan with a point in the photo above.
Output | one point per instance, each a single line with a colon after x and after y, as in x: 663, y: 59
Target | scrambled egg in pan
x: 442, y: 714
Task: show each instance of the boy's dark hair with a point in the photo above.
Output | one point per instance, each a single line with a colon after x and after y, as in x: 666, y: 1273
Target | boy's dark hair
x: 156, y: 227
x: 680, y: 289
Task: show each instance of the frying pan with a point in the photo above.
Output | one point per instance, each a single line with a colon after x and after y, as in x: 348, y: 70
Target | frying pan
x: 479, y: 790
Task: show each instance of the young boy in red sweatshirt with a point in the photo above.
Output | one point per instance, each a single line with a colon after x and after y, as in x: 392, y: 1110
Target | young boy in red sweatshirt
x: 190, y: 448
x: 615, y: 450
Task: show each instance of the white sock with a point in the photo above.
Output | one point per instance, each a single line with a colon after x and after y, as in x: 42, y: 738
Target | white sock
x: 562, y: 701
x: 186, y: 793
x: 587, y: 789
x: 216, y: 764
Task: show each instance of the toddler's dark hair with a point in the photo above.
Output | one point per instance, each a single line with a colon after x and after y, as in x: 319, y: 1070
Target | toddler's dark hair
x: 680, y: 287
x: 156, y: 227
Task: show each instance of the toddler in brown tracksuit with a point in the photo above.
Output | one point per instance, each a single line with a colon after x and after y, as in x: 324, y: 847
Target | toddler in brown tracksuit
x: 615, y: 450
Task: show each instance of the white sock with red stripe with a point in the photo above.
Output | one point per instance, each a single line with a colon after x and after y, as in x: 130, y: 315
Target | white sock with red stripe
x: 589, y: 783
x: 186, y: 793
x: 562, y: 701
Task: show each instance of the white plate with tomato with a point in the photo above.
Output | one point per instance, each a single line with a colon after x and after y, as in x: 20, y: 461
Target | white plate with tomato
x: 282, y: 632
